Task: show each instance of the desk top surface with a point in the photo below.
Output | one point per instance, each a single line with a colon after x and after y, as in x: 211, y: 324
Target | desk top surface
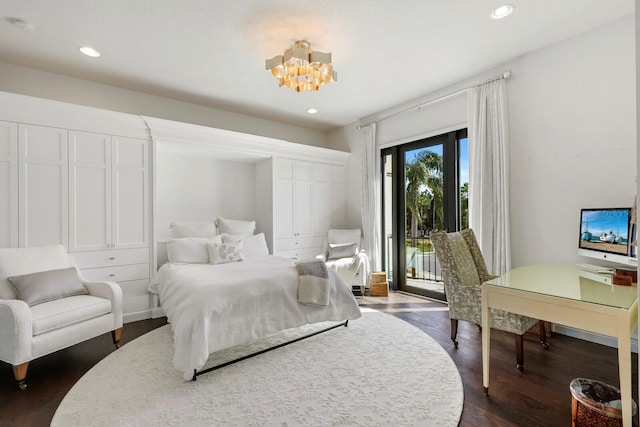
x: 566, y: 281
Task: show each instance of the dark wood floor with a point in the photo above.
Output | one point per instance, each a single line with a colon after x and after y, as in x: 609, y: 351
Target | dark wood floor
x: 539, y: 396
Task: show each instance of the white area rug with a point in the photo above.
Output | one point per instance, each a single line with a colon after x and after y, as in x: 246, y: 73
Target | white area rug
x: 379, y: 370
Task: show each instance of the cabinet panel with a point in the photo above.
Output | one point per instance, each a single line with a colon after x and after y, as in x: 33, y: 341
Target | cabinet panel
x: 89, y: 191
x: 131, y: 199
x: 284, y: 208
x: 43, y: 186
x: 8, y: 184
x: 302, y: 208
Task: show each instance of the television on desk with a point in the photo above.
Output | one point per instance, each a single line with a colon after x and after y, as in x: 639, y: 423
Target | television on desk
x: 606, y: 234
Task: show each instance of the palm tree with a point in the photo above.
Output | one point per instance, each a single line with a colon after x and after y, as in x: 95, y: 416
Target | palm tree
x: 423, y: 179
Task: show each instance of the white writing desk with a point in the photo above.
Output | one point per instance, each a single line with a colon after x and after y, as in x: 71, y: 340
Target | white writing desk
x: 558, y: 293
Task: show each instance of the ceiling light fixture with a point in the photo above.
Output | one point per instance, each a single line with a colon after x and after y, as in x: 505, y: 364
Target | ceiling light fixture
x: 89, y: 51
x: 300, y: 68
x: 502, y: 11
x: 312, y: 111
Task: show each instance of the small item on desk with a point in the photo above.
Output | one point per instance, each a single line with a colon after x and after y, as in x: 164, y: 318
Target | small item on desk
x: 625, y: 277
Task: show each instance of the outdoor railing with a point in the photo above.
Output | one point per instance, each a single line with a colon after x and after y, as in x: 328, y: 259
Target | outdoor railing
x: 421, y: 261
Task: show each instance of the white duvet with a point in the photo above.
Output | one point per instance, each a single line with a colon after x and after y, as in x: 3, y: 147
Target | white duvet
x: 212, y: 307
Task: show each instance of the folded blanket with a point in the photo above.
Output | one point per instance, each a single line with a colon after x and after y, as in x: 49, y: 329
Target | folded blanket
x: 313, y: 283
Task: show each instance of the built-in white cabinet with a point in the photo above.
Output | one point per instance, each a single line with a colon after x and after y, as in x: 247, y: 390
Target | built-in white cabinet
x: 108, y: 192
x: 308, y: 200
x: 8, y: 184
x: 127, y: 267
x: 109, y: 212
x: 43, y: 190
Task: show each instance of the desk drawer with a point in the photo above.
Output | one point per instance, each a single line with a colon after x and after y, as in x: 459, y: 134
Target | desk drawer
x: 120, y: 273
x: 94, y: 259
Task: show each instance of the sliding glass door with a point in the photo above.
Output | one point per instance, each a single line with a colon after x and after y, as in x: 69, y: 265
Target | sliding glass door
x: 425, y: 188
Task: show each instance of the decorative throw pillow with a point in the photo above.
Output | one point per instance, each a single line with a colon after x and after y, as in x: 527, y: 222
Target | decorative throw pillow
x: 222, y: 253
x: 193, y: 229
x: 254, y: 246
x: 342, y: 250
x: 191, y: 250
x: 236, y: 226
x: 44, y: 286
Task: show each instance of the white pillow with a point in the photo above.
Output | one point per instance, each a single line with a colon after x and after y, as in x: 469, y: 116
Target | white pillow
x: 254, y: 246
x: 337, y: 251
x: 235, y: 226
x: 193, y: 229
x: 222, y: 253
x: 233, y: 238
x: 190, y: 249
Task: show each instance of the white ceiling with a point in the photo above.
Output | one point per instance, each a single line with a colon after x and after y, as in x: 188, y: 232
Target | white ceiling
x: 212, y: 52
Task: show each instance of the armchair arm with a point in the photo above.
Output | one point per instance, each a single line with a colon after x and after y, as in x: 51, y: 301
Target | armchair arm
x: 321, y: 257
x: 110, y: 291
x: 15, y: 331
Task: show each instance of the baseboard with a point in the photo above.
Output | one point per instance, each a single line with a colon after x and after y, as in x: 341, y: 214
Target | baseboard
x: 157, y: 312
x: 593, y: 337
x: 134, y: 317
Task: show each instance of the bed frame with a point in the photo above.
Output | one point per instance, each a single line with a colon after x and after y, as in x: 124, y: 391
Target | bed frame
x: 197, y: 373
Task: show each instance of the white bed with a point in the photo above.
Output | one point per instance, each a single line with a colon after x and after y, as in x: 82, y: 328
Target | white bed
x: 212, y: 307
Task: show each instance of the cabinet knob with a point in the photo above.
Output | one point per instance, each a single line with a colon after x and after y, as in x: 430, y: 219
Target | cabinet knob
x: 112, y: 275
x: 112, y: 258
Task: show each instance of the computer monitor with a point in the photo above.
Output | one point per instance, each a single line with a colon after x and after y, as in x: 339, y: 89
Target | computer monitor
x: 606, y: 234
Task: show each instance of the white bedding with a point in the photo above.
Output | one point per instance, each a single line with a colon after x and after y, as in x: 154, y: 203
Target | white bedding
x: 212, y: 307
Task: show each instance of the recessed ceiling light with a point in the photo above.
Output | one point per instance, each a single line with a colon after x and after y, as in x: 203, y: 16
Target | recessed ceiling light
x: 312, y: 111
x: 27, y: 26
x: 502, y: 11
x: 89, y: 51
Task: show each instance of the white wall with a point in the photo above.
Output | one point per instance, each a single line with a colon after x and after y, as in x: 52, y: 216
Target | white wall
x: 193, y: 189
x: 573, y: 137
x: 28, y: 81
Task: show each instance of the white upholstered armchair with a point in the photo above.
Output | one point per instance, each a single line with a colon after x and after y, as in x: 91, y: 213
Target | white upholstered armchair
x: 45, y: 306
x: 342, y: 253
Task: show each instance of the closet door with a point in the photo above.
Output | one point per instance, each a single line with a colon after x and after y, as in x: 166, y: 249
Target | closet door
x: 8, y: 184
x: 284, y: 198
x: 130, y: 183
x: 89, y: 191
x: 302, y: 199
x: 43, y: 191
x: 322, y: 198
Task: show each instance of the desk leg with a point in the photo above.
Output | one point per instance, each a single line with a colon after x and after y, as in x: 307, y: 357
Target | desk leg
x: 486, y: 340
x: 624, y: 366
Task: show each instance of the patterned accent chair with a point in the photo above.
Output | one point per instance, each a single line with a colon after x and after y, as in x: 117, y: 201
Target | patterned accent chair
x: 464, y: 271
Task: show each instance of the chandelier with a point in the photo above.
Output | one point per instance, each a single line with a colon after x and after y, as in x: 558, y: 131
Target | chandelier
x: 300, y: 68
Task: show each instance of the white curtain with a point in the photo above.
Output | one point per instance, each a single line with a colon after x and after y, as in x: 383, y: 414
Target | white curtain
x: 489, y: 173
x: 371, y: 222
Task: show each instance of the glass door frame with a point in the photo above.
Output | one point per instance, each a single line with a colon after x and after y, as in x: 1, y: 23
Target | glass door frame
x: 451, y: 206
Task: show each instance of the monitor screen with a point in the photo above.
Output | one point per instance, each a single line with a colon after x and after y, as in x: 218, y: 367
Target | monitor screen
x: 605, y: 231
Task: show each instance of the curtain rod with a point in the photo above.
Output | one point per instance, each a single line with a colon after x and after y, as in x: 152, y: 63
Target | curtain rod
x: 504, y: 75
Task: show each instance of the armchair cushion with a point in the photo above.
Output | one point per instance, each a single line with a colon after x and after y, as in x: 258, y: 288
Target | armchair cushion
x: 18, y: 261
x: 63, y: 312
x: 337, y: 251
x: 44, y: 286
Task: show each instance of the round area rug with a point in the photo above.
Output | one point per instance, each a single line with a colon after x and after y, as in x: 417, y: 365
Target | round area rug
x: 379, y: 370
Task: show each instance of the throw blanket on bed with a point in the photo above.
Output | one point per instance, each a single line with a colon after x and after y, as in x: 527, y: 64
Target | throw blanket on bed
x: 313, y: 283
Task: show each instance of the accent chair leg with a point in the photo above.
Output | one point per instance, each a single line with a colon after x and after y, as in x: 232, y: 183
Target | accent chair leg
x: 116, y: 335
x: 20, y: 374
x: 454, y: 331
x: 543, y: 335
x: 520, y: 352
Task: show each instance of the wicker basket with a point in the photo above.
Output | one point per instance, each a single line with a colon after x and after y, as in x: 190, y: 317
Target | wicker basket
x: 590, y: 404
x: 378, y: 285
